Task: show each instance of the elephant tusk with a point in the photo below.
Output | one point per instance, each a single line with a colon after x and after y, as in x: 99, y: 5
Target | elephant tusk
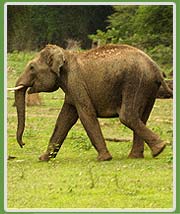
x: 16, y: 88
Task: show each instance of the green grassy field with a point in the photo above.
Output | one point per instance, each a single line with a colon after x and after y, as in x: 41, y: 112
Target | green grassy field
x: 75, y: 179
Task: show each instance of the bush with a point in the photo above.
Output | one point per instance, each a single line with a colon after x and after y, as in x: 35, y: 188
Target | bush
x: 149, y: 28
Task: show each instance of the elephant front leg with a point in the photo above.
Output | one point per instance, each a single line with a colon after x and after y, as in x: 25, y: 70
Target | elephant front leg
x: 66, y: 119
x: 93, y: 130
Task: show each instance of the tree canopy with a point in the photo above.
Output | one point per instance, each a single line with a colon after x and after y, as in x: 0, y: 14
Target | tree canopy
x: 147, y: 27
x: 32, y: 26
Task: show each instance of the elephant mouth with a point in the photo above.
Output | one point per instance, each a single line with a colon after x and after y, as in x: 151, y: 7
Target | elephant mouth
x: 35, y: 87
x: 31, y: 90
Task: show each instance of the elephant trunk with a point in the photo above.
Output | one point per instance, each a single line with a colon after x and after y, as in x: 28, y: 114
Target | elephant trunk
x: 20, y: 106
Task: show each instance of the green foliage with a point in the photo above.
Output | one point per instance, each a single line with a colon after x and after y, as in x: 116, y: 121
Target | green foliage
x: 31, y: 27
x: 148, y: 27
x: 155, y: 21
x: 75, y: 179
x: 79, y: 141
x: 17, y: 61
x: 17, y: 29
x: 119, y: 26
x: 163, y: 55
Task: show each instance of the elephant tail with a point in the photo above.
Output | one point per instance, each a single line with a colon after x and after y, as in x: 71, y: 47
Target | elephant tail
x: 163, y: 83
x: 166, y: 87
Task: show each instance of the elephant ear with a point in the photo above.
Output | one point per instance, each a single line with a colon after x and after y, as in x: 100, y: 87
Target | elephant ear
x: 54, y: 57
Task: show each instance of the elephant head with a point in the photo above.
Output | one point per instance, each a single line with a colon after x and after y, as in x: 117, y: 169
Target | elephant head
x: 41, y: 75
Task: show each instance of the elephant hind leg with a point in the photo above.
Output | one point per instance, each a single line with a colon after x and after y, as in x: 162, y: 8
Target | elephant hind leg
x: 137, y: 150
x: 130, y: 116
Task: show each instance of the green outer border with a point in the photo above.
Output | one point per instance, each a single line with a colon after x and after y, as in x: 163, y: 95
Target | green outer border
x: 1, y: 109
x: 177, y: 2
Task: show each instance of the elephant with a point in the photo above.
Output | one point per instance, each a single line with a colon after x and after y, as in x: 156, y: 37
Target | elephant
x: 105, y: 82
x: 163, y: 94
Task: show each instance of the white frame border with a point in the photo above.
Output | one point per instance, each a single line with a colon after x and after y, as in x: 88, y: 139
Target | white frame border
x: 174, y: 112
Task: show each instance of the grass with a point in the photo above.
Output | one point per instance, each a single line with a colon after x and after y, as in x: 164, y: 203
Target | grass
x: 75, y: 179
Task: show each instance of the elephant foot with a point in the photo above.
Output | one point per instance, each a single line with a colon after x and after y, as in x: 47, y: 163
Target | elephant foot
x: 135, y: 155
x: 157, y: 148
x: 104, y: 157
x: 45, y: 157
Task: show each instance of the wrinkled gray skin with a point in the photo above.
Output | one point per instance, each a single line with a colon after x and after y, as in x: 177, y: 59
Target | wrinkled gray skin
x: 110, y: 81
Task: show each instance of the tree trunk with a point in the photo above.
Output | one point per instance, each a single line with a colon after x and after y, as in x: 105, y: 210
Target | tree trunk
x: 33, y: 99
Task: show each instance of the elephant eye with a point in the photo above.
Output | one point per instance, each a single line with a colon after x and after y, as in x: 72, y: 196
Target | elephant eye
x: 31, y: 67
